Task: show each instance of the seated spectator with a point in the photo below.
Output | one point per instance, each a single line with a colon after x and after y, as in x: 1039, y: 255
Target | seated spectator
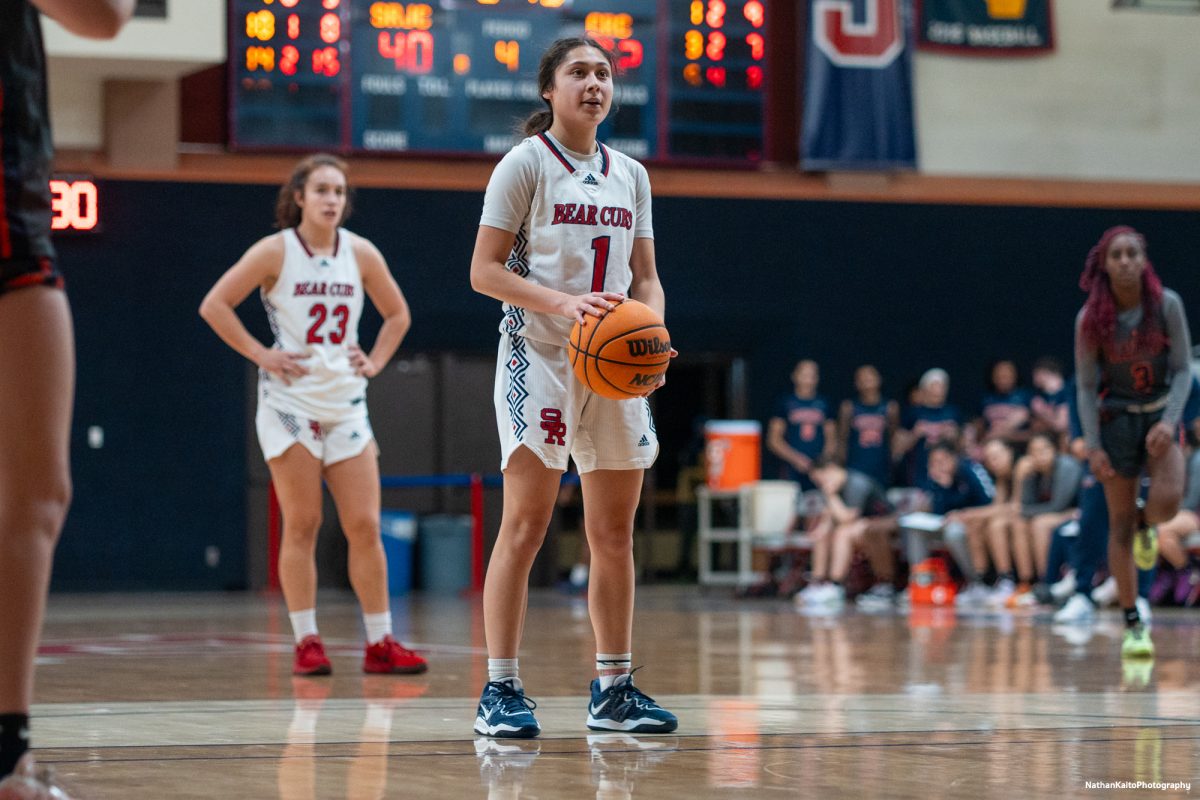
x: 1004, y: 412
x: 856, y: 515
x: 1048, y: 482
x: 865, y: 426
x: 987, y: 531
x: 1049, y: 408
x: 922, y: 425
x: 953, y: 484
x: 801, y: 430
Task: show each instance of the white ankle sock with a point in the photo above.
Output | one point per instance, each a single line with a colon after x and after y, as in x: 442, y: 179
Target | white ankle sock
x: 378, y: 626
x: 501, y: 668
x: 304, y: 623
x: 611, y: 666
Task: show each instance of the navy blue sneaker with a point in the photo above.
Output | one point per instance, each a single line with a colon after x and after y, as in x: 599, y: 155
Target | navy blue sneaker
x: 505, y: 711
x: 624, y: 707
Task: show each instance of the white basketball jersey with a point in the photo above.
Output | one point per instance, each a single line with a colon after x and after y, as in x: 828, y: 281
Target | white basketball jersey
x: 575, y: 220
x: 314, y: 308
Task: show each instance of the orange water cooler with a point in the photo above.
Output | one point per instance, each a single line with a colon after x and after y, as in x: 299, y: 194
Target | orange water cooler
x: 733, y: 451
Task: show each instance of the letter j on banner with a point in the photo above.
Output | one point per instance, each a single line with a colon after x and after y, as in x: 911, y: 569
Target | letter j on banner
x: 857, y: 105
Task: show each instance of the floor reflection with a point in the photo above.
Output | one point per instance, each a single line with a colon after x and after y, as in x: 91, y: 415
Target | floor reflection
x: 196, y: 701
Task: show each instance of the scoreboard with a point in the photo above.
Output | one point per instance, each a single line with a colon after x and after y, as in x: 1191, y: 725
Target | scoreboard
x: 458, y: 76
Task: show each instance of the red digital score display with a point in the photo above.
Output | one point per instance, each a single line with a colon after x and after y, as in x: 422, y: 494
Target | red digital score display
x: 705, y: 44
x: 74, y: 206
x: 287, y: 42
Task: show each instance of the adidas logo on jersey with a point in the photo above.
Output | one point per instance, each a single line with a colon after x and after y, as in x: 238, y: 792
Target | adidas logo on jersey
x: 645, y: 442
x: 590, y: 180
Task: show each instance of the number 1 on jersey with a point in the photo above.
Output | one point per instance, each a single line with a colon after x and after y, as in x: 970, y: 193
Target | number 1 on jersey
x: 600, y: 263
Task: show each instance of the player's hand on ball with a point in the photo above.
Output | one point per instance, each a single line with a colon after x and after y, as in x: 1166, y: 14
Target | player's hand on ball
x: 592, y: 304
x: 662, y: 381
x: 1158, y: 439
x: 283, y: 365
x: 362, y: 363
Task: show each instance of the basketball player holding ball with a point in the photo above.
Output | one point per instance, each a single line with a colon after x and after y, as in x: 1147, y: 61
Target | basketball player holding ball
x: 1132, y: 347
x: 312, y: 413
x: 564, y: 237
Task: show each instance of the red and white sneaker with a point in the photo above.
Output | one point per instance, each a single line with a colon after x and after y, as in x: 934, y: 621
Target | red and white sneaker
x: 310, y: 658
x: 30, y: 782
x: 387, y: 656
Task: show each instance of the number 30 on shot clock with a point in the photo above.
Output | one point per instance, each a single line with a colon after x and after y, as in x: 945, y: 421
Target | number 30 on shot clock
x: 74, y: 205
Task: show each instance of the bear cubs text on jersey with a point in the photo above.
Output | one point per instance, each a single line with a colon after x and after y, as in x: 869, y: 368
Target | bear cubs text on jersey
x: 580, y: 214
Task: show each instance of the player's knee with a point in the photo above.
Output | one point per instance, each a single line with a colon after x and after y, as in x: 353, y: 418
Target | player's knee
x: 301, y: 529
x: 610, y: 544
x: 525, y: 534
x: 39, y: 513
x: 361, y: 529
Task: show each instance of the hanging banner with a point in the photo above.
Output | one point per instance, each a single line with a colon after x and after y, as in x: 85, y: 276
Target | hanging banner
x: 857, y: 108
x: 986, y: 27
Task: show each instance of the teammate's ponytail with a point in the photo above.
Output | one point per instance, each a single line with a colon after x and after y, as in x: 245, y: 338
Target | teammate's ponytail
x: 541, y: 120
x: 1100, y: 310
x: 287, y: 210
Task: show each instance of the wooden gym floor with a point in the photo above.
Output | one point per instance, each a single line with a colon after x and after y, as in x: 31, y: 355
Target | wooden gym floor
x: 182, y: 696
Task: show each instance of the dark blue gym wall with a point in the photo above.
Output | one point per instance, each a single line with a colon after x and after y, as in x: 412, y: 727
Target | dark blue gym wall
x: 904, y: 286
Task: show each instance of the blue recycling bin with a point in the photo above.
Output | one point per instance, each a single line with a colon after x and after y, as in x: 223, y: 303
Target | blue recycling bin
x: 398, y: 529
x: 445, y: 552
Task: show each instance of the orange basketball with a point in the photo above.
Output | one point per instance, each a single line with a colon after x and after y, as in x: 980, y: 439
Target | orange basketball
x: 623, y: 354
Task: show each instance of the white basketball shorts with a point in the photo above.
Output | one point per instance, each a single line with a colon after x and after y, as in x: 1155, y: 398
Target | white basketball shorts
x: 541, y: 404
x: 328, y: 442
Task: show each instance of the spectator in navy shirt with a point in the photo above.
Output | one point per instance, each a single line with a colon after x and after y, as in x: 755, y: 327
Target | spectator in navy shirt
x: 865, y: 427
x: 802, y: 429
x: 1049, y: 407
x: 1005, y: 408
x: 924, y: 424
x: 953, y: 483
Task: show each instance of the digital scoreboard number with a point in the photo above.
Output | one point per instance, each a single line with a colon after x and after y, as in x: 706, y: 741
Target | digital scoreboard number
x: 74, y: 205
x: 458, y: 76
x: 717, y: 72
x: 288, y: 73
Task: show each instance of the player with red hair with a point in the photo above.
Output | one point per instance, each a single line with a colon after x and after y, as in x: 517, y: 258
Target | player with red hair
x: 1132, y: 346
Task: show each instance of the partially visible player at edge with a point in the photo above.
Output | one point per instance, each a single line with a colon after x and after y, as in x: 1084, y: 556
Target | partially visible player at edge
x: 566, y: 234
x: 1132, y: 346
x: 37, y: 362
x: 312, y: 412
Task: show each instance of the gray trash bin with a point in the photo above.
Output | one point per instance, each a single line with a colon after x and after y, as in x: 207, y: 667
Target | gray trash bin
x: 444, y: 541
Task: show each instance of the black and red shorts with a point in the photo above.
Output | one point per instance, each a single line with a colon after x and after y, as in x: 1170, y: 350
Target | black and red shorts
x: 21, y: 273
x: 1123, y: 438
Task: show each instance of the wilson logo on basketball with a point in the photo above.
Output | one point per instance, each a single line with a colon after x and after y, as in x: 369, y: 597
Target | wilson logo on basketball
x: 639, y: 348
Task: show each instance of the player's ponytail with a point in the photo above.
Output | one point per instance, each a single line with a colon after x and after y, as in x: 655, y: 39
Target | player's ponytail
x: 287, y: 211
x: 541, y: 120
x: 1100, y: 310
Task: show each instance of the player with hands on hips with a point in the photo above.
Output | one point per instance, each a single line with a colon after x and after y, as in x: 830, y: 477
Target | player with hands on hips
x: 312, y: 413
